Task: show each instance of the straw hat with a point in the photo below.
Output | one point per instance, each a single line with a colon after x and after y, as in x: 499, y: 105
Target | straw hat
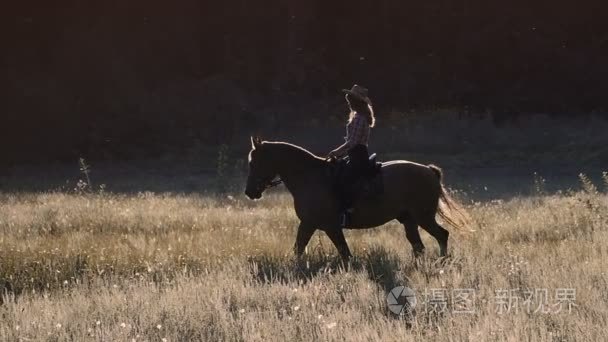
x: 358, y: 92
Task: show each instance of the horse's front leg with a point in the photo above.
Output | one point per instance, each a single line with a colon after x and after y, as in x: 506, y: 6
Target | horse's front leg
x: 336, y: 235
x: 305, y: 232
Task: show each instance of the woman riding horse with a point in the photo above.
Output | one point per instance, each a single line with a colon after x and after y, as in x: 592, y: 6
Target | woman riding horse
x: 361, y: 120
x: 412, y: 195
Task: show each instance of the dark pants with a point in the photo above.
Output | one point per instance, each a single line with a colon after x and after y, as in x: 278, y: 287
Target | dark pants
x: 357, y: 167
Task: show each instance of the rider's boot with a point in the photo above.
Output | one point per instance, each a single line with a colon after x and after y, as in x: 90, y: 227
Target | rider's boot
x: 346, y: 218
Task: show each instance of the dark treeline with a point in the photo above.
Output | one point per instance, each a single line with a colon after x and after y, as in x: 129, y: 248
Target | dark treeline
x: 112, y: 77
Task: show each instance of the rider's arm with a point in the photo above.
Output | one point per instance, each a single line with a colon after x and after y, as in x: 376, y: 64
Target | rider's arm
x: 340, y: 151
x: 355, y: 136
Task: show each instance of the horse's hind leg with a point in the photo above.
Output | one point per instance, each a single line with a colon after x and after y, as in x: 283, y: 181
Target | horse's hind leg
x: 412, y: 234
x: 438, y: 232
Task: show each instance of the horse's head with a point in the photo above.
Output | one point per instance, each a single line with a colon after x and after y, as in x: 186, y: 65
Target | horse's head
x: 261, y: 169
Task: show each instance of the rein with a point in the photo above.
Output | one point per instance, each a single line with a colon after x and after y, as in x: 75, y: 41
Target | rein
x: 279, y: 181
x: 274, y: 183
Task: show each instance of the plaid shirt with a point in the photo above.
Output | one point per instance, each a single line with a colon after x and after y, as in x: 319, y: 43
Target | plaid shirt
x: 357, y: 132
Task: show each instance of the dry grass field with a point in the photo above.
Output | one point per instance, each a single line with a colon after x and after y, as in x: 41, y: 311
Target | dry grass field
x: 154, y: 267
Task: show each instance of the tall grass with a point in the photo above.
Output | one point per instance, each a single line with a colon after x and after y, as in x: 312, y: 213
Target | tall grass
x: 186, y: 267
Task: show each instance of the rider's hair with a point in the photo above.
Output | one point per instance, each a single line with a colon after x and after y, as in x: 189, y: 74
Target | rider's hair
x: 359, y: 106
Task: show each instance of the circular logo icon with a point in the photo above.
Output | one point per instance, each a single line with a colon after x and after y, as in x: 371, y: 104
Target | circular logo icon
x: 401, y: 300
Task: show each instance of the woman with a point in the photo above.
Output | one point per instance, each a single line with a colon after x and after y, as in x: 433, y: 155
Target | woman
x: 361, y: 120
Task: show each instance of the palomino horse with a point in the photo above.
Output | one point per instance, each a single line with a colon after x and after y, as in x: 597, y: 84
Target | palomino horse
x: 412, y: 195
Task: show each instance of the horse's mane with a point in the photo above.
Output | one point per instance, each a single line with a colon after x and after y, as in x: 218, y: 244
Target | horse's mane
x: 284, y: 146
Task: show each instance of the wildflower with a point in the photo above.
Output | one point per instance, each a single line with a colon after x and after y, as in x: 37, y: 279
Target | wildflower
x: 123, y: 325
x: 296, y: 308
x: 159, y: 327
x: 331, y: 325
x: 58, y: 326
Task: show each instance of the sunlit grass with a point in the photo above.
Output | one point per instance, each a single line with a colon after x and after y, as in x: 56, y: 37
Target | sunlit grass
x: 186, y: 267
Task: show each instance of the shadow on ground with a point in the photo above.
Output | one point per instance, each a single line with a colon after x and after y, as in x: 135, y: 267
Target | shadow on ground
x: 382, y: 266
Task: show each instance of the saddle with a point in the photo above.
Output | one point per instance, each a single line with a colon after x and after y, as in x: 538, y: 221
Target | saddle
x: 374, y: 166
x: 367, y: 183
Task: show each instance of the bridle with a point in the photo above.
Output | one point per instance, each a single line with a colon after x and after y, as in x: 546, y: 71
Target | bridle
x: 271, y: 184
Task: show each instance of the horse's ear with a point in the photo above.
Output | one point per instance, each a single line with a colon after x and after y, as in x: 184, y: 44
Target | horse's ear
x: 256, y: 142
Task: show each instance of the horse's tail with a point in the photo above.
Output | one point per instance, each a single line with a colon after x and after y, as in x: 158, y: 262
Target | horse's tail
x: 449, y: 210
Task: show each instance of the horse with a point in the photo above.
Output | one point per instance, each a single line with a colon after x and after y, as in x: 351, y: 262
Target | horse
x: 413, y: 194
